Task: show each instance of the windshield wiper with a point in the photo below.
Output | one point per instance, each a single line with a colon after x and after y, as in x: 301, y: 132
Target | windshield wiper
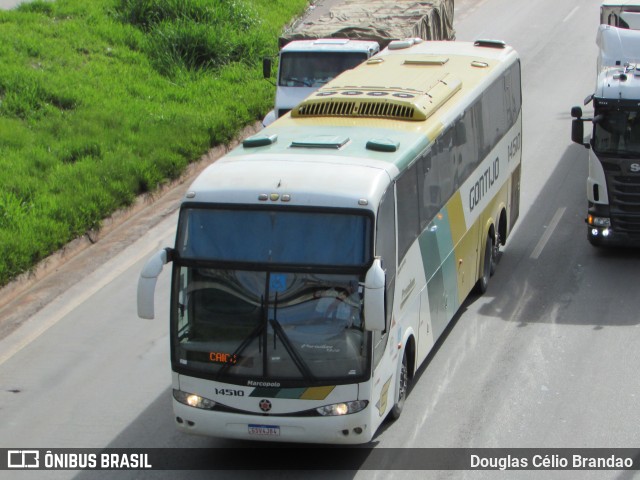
x: 255, y: 333
x: 279, y: 332
x: 297, y: 360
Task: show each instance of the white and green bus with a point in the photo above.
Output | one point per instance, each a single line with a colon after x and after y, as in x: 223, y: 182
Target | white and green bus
x: 316, y: 265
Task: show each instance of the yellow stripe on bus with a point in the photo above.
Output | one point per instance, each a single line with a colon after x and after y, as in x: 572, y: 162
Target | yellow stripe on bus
x: 465, y: 244
x: 456, y: 218
x: 317, y: 393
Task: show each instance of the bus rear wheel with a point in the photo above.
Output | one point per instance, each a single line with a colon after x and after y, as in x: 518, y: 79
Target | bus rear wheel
x: 495, y: 254
x: 403, y: 386
x: 488, y: 265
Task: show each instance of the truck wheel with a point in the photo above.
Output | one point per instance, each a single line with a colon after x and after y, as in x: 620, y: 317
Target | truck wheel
x: 403, y: 385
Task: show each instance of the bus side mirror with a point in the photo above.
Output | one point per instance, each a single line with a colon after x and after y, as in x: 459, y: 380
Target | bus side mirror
x: 266, y: 67
x: 374, y: 283
x: 147, y: 282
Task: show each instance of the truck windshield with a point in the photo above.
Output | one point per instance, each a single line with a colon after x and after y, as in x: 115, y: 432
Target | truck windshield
x: 314, y: 69
x: 617, y: 132
x: 239, y: 325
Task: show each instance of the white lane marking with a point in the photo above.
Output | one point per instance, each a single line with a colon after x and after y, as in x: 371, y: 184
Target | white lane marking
x: 547, y: 234
x: 575, y: 9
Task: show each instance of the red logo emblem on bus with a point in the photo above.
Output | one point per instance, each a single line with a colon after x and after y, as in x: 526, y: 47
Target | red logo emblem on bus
x: 265, y: 405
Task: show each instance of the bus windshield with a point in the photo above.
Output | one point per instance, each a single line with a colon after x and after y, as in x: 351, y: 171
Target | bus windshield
x: 282, y: 237
x: 271, y: 294
x: 237, y: 325
x: 617, y: 132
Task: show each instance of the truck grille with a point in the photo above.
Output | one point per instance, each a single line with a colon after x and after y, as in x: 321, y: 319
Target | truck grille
x: 624, y: 199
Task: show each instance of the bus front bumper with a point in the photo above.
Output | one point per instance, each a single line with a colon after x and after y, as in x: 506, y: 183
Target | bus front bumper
x: 346, y: 429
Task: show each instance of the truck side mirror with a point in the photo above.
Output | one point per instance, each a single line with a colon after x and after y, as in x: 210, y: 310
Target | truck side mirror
x: 374, y: 311
x: 266, y: 67
x: 147, y: 282
x: 577, y: 127
x: 577, y: 131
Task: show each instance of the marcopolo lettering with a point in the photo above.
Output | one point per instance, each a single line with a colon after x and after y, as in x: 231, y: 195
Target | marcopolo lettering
x: 484, y: 184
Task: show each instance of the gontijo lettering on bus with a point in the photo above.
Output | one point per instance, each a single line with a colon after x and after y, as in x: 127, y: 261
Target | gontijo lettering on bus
x: 484, y: 183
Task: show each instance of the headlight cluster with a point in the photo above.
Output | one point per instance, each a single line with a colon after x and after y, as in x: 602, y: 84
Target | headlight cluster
x: 599, y: 221
x: 193, y: 400
x: 345, y: 408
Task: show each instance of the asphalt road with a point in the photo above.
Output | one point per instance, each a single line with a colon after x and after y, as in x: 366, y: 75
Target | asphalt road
x: 9, y: 4
x: 548, y: 357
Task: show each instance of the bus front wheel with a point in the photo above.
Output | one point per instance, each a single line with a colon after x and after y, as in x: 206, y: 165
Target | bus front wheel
x: 403, y: 385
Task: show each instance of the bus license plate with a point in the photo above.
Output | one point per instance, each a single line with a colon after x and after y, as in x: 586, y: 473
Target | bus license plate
x: 264, y: 430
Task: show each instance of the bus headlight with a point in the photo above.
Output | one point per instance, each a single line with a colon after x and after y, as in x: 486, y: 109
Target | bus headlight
x: 599, y: 221
x: 193, y: 400
x: 345, y: 408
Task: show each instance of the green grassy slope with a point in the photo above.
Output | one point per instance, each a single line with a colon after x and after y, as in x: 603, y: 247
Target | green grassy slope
x: 101, y: 101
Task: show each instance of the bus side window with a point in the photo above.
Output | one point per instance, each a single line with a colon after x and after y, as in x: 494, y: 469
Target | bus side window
x: 467, y: 154
x: 443, y: 165
x: 183, y: 313
x: 386, y: 234
x: 386, y: 249
x: 428, y: 190
x: 408, y: 215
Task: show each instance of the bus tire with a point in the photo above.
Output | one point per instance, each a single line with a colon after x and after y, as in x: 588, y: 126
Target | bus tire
x: 488, y: 264
x: 495, y: 253
x: 403, y: 386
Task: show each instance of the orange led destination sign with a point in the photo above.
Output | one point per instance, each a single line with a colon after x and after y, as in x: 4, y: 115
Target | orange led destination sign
x: 224, y: 358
